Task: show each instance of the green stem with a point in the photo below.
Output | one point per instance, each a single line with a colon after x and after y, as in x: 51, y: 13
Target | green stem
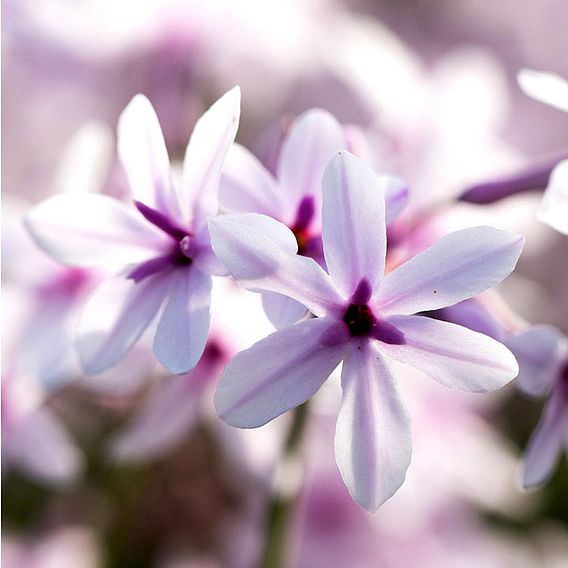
x: 282, y: 503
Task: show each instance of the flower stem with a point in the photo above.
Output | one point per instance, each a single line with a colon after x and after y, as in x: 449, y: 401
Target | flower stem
x: 281, y: 505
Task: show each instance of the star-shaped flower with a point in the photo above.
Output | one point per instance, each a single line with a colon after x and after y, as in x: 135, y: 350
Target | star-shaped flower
x: 361, y: 319
x: 160, y: 246
x: 293, y: 196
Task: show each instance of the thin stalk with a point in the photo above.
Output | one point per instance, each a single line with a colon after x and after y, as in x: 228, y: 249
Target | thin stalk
x: 281, y: 505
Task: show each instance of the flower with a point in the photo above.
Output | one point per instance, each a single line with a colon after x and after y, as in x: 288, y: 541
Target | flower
x: 161, y: 247
x: 542, y: 352
x: 361, y: 319
x: 293, y: 196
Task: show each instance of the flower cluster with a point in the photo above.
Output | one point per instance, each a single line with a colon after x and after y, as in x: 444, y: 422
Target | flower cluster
x: 312, y: 238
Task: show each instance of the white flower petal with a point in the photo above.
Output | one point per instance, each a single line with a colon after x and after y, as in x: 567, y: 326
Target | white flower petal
x: 210, y: 141
x: 281, y: 310
x: 92, y: 229
x: 312, y: 141
x: 354, y: 233
x: 553, y: 209
x: 161, y: 425
x: 460, y: 265
x: 372, y: 438
x: 115, y: 316
x: 247, y: 186
x: 276, y: 374
x: 262, y: 262
x: 397, y: 197
x: 547, y: 88
x: 546, y: 444
x: 41, y: 446
x: 539, y: 353
x: 144, y: 157
x: 451, y: 354
x: 182, y: 331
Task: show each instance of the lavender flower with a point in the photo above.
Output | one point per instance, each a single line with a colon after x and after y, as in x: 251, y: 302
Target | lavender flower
x: 293, y: 197
x: 361, y: 319
x: 542, y: 352
x: 161, y: 246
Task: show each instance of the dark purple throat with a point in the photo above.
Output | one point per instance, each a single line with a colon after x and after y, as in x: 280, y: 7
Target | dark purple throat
x: 362, y: 322
x: 301, y: 225
x: 181, y: 249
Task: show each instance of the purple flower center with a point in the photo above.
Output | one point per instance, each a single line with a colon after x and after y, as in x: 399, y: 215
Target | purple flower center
x: 361, y: 321
x: 181, y: 251
x: 301, y: 226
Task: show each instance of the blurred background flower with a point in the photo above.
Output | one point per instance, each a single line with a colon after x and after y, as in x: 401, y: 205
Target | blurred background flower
x: 132, y: 468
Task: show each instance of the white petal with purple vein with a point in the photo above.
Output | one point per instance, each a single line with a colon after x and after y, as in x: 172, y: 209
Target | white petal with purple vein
x: 260, y: 262
x: 183, y: 327
x: 373, y: 437
x: 451, y: 354
x: 314, y: 138
x: 92, y: 229
x: 210, y: 141
x: 276, y: 374
x: 459, y: 266
x: 354, y: 233
x: 144, y: 157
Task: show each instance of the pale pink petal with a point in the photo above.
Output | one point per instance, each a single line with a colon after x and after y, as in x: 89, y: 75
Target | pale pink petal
x: 210, y: 141
x: 451, y: 354
x: 144, y: 157
x: 547, y: 88
x: 539, y: 353
x: 397, y: 197
x: 373, y: 437
x: 276, y: 374
x: 165, y: 420
x: 115, y: 316
x: 554, y: 206
x: 546, y: 444
x: 182, y: 331
x: 41, y: 446
x: 281, y: 310
x: 92, y: 229
x: 460, y: 265
x: 204, y: 257
x: 313, y: 139
x: 272, y: 229
x: 262, y: 261
x: 247, y: 186
x: 354, y: 234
